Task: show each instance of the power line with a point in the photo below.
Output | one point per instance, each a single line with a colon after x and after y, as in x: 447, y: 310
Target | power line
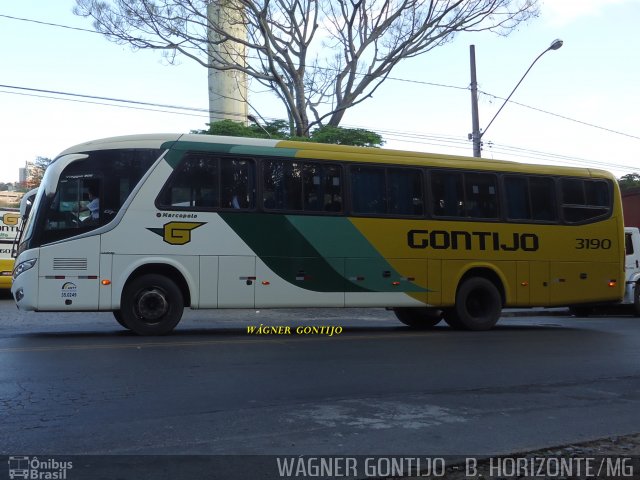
x: 438, y: 140
x: 564, y: 117
x: 118, y: 100
x: 419, y: 82
x: 40, y: 22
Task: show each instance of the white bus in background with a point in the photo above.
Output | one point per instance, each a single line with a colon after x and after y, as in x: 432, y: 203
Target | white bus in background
x: 631, y: 299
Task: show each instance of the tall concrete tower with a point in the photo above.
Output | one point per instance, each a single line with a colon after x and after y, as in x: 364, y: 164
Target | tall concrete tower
x: 227, y: 89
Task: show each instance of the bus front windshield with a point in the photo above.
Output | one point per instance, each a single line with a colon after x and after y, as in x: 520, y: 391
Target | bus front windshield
x: 83, y: 192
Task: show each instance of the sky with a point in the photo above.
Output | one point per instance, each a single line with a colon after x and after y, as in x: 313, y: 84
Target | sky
x: 578, y: 106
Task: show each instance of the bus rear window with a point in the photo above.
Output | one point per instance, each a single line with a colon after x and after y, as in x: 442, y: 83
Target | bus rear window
x: 584, y: 200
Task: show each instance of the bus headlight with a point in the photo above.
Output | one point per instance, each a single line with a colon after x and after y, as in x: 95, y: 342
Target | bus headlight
x: 23, y: 267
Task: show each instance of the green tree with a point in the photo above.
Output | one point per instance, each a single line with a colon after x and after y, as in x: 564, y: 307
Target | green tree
x: 36, y: 172
x: 347, y: 136
x: 279, y: 129
x: 629, y: 181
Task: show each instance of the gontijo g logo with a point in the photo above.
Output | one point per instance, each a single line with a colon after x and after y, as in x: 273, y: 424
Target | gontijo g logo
x: 176, y: 233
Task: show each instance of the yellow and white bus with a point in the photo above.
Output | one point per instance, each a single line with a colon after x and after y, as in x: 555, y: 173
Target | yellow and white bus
x: 225, y: 222
x: 8, y: 232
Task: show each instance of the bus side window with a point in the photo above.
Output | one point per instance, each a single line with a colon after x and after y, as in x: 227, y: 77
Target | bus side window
x: 517, y: 198
x: 368, y: 190
x: 448, y: 196
x: 481, y: 195
x: 238, y: 183
x: 322, y: 188
x: 404, y: 191
x: 282, y: 185
x: 543, y: 199
x: 194, y: 183
x: 584, y: 200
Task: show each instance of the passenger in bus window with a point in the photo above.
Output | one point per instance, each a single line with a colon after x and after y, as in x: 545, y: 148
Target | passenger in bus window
x: 93, y: 206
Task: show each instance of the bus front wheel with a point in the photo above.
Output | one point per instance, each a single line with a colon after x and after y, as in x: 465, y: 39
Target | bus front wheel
x: 418, y: 318
x: 151, y: 305
x: 478, y: 305
x: 117, y: 314
x: 636, y: 300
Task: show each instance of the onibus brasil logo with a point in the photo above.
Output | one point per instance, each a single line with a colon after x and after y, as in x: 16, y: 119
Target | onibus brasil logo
x: 34, y: 468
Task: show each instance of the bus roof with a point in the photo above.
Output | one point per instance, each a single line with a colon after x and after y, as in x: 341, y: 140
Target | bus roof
x: 331, y: 152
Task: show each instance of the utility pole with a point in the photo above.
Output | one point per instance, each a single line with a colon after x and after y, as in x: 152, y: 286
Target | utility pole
x: 475, y: 120
x: 476, y: 135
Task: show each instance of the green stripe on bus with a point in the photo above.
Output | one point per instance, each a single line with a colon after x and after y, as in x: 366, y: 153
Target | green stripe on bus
x: 288, y: 253
x: 326, y: 254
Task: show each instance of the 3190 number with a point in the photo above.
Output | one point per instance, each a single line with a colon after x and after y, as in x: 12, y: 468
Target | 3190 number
x: 593, y: 244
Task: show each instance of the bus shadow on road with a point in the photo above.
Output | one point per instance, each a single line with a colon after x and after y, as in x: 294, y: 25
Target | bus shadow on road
x: 310, y: 331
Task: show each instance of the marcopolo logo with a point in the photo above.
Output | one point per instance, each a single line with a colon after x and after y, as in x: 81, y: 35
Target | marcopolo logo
x: 176, y: 233
x: 34, y: 468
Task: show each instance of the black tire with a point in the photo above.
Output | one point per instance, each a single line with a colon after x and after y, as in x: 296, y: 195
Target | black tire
x: 636, y: 300
x: 117, y: 314
x: 478, y: 304
x: 451, y: 318
x: 151, y: 305
x: 418, y: 318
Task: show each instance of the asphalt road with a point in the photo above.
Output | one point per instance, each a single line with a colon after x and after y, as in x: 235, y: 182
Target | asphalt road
x: 79, y: 384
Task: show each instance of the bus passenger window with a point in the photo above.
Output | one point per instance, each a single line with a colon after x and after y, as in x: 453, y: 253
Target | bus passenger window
x: 543, y: 199
x: 194, y: 183
x: 238, y: 183
x: 322, y: 188
x: 584, y: 200
x: 517, y: 198
x: 481, y: 195
x: 368, y: 190
x: 282, y: 185
x: 404, y: 191
x: 447, y: 194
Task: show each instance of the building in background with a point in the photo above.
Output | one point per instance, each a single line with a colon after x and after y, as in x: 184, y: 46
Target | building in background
x: 631, y: 207
x: 22, y: 175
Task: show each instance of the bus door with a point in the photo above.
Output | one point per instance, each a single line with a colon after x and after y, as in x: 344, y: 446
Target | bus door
x: 236, y: 281
x: 69, y: 276
x: 69, y: 270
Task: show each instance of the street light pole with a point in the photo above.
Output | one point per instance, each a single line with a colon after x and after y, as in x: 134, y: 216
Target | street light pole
x: 476, y: 136
x: 475, y: 120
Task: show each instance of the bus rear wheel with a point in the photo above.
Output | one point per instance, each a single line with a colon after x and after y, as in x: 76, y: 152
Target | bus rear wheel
x: 478, y: 305
x: 151, y: 305
x: 417, y: 317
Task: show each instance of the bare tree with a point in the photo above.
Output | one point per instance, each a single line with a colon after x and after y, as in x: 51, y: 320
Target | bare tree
x: 320, y: 57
